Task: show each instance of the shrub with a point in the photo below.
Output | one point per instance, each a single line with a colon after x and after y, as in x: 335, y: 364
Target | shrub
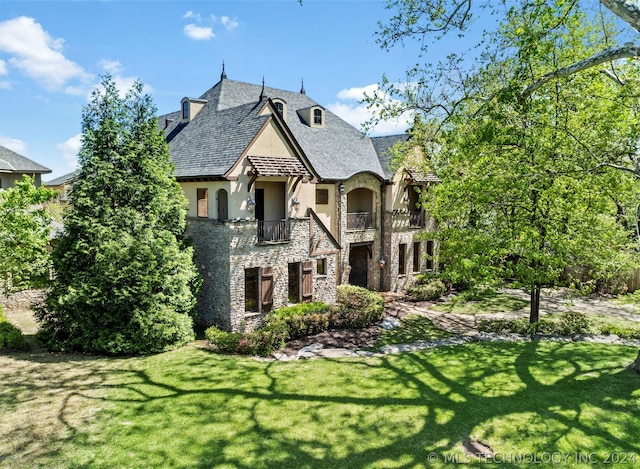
x: 302, y: 309
x: 11, y: 337
x: 623, y: 332
x: 304, y: 319
x: 511, y: 326
x: 570, y: 323
x: 267, y: 339
x: 357, y: 307
x: 427, y: 291
x: 573, y: 322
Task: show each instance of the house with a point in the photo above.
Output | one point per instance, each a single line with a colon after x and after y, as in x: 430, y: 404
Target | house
x: 13, y: 166
x: 62, y: 185
x: 287, y: 200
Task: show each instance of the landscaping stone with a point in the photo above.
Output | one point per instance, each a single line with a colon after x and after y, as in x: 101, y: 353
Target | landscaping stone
x: 390, y: 323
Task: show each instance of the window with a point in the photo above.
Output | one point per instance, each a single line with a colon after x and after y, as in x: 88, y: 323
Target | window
x: 203, y: 203
x: 402, y: 257
x: 430, y: 251
x: 416, y: 257
x: 258, y: 289
x: 185, y: 110
x: 280, y: 108
x: 322, y: 196
x: 300, y: 281
x: 317, y: 116
x: 321, y: 266
x: 251, y: 289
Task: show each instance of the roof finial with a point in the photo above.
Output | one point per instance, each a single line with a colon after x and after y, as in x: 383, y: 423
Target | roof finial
x: 302, y: 91
x: 262, y: 92
x: 223, y: 75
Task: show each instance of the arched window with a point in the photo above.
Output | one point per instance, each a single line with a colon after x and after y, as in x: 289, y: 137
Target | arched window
x: 185, y: 110
x: 317, y: 116
x: 280, y: 108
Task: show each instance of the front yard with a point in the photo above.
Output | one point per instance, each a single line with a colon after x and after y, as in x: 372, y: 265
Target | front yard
x: 193, y: 408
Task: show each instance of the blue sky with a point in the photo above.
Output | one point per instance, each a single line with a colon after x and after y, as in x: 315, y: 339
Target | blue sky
x: 53, y: 53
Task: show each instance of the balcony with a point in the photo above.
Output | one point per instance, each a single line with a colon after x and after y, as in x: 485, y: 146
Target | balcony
x: 360, y: 220
x: 416, y: 219
x: 273, y: 231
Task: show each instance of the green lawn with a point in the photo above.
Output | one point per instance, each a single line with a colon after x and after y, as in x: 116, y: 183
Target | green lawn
x: 192, y: 408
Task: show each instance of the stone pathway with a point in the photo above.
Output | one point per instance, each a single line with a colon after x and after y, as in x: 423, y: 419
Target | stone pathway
x: 465, y: 330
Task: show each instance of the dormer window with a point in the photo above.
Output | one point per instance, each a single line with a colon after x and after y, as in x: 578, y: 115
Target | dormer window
x: 281, y: 107
x: 313, y: 116
x: 191, y: 107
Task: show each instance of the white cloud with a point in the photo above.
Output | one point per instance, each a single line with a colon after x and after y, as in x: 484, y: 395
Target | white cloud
x: 111, y: 66
x: 191, y: 14
x: 37, y: 54
x: 14, y: 144
x: 198, y: 33
x: 3, y: 67
x: 69, y: 150
x: 229, y: 23
x: 351, y: 109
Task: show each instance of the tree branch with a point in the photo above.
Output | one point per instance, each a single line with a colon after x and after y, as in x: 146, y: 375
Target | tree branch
x: 629, y: 50
x: 627, y: 10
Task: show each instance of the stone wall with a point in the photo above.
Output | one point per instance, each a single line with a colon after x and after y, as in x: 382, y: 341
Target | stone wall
x: 225, y: 249
x: 211, y: 243
x: 21, y: 300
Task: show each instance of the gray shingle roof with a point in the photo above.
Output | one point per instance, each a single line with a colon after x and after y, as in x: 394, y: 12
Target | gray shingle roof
x: 217, y: 135
x: 12, y: 162
x: 64, y: 179
x: 382, y: 146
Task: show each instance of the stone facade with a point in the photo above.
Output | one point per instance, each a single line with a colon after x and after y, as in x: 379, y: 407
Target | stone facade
x: 399, y: 231
x: 224, y: 250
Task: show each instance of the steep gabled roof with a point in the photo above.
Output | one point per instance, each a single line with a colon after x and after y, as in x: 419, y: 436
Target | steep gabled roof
x: 215, y: 138
x: 12, y: 162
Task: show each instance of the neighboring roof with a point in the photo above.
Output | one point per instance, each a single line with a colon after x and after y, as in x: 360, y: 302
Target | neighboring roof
x: 216, y: 137
x: 65, y: 179
x: 12, y: 162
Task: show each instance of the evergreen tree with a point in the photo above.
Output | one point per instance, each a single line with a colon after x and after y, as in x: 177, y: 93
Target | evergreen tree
x: 125, y: 279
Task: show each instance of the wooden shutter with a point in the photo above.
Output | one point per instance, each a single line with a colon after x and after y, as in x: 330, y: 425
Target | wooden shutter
x: 307, y: 280
x: 322, y: 196
x: 266, y: 284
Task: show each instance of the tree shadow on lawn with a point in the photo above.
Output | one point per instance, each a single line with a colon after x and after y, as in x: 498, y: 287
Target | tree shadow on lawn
x: 191, y: 408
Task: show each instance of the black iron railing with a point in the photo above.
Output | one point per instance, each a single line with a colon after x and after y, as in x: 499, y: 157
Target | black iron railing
x: 360, y: 220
